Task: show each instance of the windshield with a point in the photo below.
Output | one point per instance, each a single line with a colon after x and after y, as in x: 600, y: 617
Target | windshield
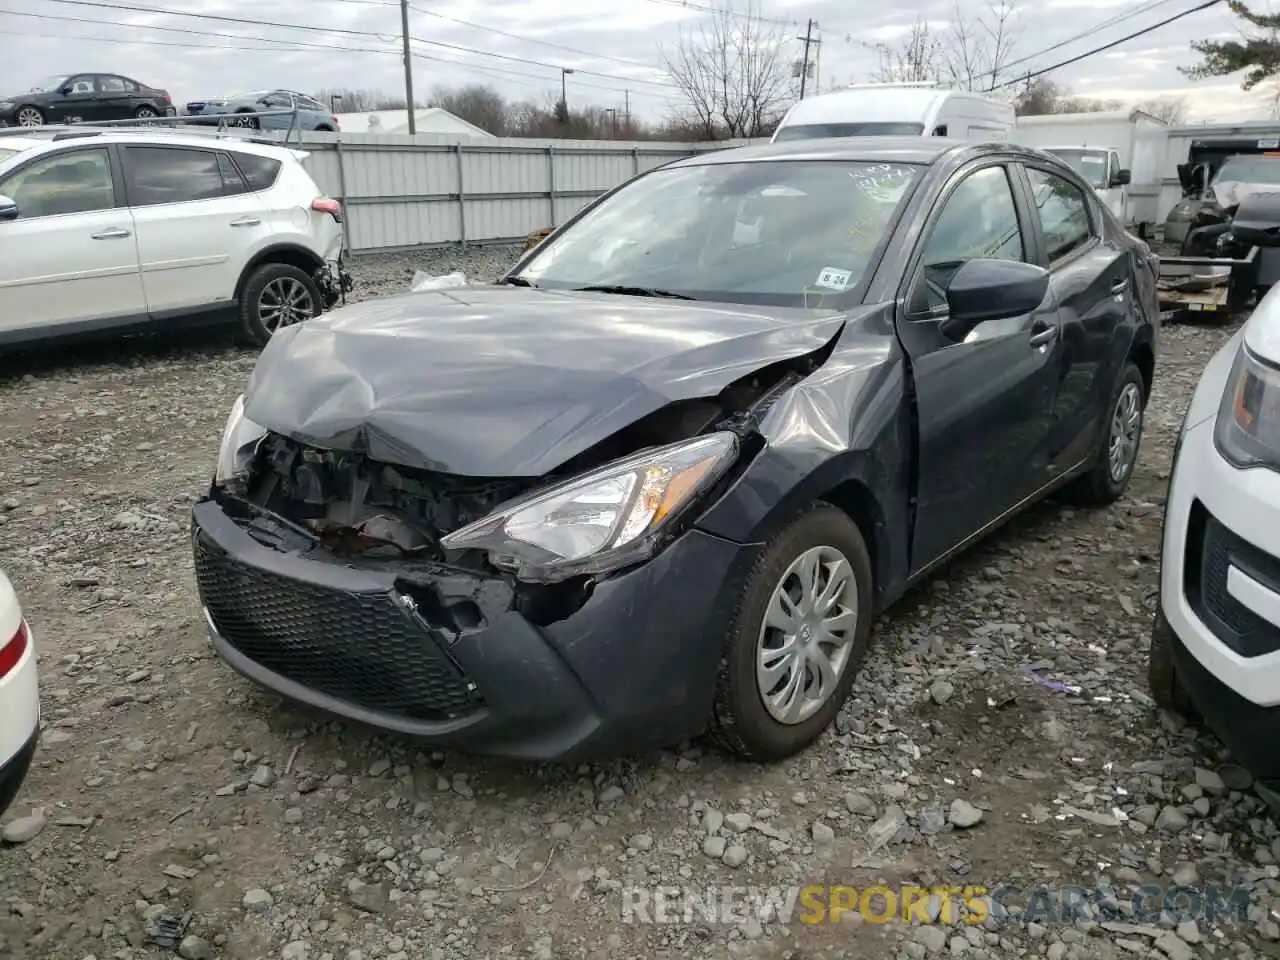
x: 1090, y: 164
x: 51, y: 84
x: 1249, y: 170
x: 780, y: 233
x: 813, y: 131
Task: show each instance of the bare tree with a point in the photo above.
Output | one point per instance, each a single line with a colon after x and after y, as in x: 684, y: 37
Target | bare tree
x: 917, y: 58
x: 475, y: 103
x: 360, y: 101
x: 978, y: 48
x: 1172, y: 110
x: 1042, y: 96
x: 730, y: 72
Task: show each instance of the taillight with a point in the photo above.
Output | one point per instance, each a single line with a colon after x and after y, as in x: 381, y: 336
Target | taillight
x: 335, y: 121
x: 12, y: 651
x: 328, y: 205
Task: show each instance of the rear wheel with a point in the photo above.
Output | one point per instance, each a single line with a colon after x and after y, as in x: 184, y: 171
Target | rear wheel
x: 797, y: 638
x: 250, y: 123
x: 145, y: 113
x: 30, y: 117
x: 276, y: 295
x: 1108, y: 478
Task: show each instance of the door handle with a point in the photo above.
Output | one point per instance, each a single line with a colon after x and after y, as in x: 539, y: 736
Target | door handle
x: 1042, y: 334
x: 246, y: 222
x: 1119, y: 287
x: 111, y: 233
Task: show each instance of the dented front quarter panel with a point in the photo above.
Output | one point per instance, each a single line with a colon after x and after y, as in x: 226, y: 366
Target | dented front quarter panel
x: 507, y: 381
x: 847, y: 428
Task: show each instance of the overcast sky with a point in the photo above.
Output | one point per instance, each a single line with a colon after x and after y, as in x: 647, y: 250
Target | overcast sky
x: 612, y: 45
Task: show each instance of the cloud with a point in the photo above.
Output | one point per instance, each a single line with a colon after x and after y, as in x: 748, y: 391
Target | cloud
x: 614, y: 49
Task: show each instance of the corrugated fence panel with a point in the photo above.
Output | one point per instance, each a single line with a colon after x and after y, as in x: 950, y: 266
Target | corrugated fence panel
x: 402, y: 191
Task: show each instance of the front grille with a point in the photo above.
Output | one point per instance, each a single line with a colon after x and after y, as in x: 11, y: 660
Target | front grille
x: 1212, y: 549
x: 360, y: 648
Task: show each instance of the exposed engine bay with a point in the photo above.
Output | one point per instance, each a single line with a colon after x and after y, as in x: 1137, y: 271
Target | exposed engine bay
x: 359, y: 507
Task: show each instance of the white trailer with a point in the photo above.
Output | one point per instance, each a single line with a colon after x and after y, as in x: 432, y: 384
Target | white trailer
x: 1101, y: 145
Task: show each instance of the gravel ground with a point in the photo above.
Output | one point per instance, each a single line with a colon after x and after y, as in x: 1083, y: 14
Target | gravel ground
x: 169, y: 794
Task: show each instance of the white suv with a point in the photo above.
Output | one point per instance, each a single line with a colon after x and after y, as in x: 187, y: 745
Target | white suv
x: 19, y: 696
x: 106, y: 229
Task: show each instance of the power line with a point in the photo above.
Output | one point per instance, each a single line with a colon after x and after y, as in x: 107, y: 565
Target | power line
x: 1106, y: 46
x: 515, y: 36
x: 346, y: 31
x: 722, y: 11
x: 1090, y: 31
x: 273, y: 45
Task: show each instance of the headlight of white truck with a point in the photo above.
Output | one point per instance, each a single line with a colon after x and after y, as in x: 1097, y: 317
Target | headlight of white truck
x: 1247, y: 432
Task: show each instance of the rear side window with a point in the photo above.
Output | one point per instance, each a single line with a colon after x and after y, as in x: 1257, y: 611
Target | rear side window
x: 1064, y: 213
x: 233, y: 183
x: 259, y: 172
x: 156, y: 175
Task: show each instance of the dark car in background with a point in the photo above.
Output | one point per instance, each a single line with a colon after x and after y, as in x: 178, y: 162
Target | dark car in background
x: 661, y: 477
x: 85, y: 97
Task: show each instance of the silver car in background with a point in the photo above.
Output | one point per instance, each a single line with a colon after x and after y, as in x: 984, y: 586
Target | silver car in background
x: 312, y: 114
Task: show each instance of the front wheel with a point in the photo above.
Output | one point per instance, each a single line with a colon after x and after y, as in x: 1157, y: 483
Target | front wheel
x: 1108, y: 478
x: 30, y: 117
x: 250, y: 123
x: 1162, y: 676
x: 797, y: 638
x: 276, y: 296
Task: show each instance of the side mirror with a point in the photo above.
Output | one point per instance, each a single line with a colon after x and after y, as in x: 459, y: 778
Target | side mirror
x: 8, y: 209
x: 67, y: 90
x: 1121, y: 178
x: 983, y: 290
x: 1257, y: 220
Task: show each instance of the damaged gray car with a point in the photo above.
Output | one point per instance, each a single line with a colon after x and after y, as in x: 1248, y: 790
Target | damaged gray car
x: 659, y: 479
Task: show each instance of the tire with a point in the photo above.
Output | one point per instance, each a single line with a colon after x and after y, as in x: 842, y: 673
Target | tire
x: 741, y: 721
x: 275, y: 283
x: 1102, y: 484
x: 29, y: 117
x: 145, y: 113
x: 1162, y: 677
x: 250, y: 123
x: 324, y: 128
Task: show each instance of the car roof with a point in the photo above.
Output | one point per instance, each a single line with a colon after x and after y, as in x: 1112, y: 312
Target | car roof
x: 61, y: 138
x: 924, y: 151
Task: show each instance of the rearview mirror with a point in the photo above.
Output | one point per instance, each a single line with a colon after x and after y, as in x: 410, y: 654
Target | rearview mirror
x: 1121, y: 178
x: 983, y: 290
x: 8, y: 209
x: 1257, y: 220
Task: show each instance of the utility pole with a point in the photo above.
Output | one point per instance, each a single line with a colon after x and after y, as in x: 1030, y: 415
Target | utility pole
x: 564, y: 97
x: 408, y: 65
x: 627, y: 108
x: 804, y: 65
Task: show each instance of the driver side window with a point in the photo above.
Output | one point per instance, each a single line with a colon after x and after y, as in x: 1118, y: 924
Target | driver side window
x: 978, y: 220
x: 81, y: 86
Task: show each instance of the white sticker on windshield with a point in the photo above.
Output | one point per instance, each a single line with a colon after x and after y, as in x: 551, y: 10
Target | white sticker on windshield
x: 833, y: 279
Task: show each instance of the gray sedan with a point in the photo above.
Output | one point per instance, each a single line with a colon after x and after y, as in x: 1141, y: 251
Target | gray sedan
x: 312, y: 114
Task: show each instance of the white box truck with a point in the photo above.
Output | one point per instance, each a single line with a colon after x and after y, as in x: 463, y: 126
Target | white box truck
x: 921, y: 109
x: 1120, y: 152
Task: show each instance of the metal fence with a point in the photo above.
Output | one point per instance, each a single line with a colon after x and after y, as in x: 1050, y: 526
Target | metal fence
x: 401, y: 191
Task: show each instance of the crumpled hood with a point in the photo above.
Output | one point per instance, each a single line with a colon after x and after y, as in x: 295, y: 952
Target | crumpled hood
x: 1229, y: 193
x: 507, y: 381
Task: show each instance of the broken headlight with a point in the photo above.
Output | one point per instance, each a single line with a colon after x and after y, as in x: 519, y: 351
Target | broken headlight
x: 1247, y: 433
x: 239, y: 439
x: 601, y: 520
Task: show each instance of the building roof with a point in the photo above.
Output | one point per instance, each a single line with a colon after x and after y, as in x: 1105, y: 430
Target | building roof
x: 433, y: 120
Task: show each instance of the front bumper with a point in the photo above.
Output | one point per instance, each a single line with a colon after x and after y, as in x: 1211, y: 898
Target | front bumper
x: 448, y: 655
x: 1220, y: 592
